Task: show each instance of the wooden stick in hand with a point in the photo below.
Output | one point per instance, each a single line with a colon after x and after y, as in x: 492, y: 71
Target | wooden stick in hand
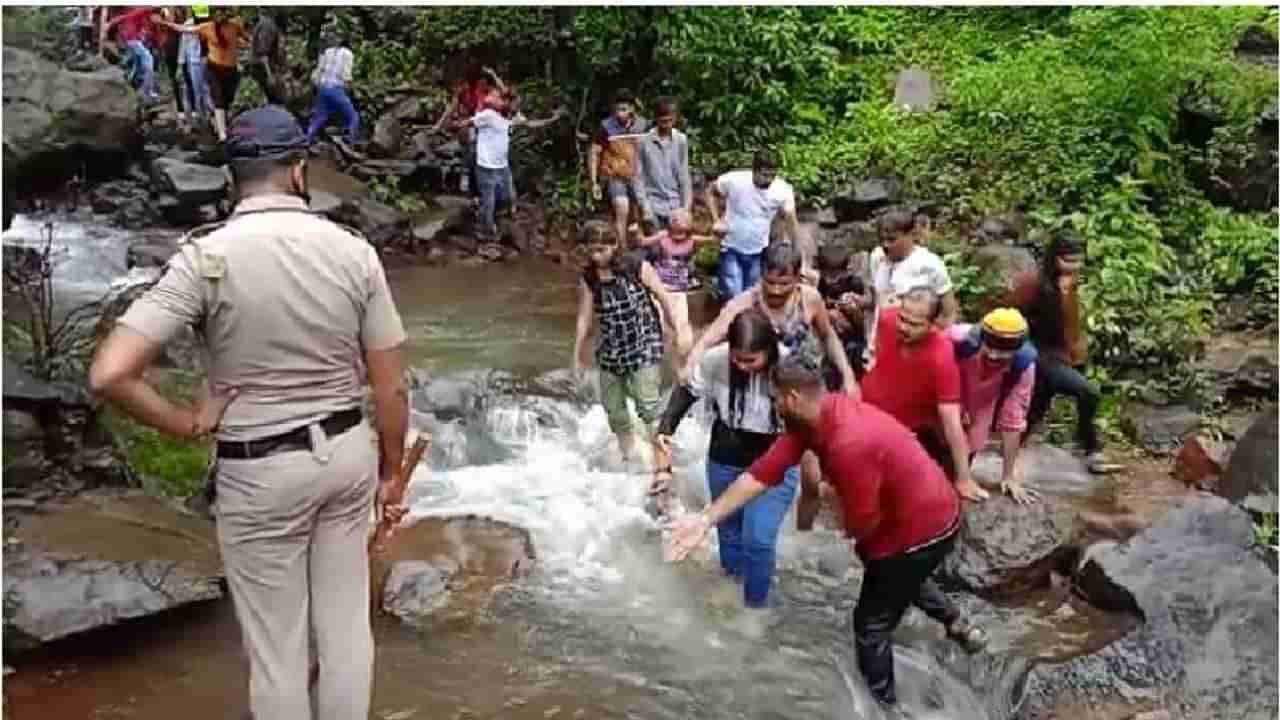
x: 382, y: 533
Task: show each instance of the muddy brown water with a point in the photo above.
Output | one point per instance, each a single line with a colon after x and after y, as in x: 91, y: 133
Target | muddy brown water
x: 599, y: 628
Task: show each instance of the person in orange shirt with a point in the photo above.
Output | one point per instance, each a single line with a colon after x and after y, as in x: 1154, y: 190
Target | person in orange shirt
x: 224, y: 36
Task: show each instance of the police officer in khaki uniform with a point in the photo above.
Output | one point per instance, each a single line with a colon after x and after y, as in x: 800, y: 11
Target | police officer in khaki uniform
x: 296, y: 316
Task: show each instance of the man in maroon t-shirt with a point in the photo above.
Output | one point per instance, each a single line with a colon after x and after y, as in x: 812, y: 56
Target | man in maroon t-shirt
x: 915, y: 379
x: 898, y: 506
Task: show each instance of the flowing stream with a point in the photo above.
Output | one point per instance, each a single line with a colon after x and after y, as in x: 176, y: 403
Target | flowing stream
x: 600, y: 627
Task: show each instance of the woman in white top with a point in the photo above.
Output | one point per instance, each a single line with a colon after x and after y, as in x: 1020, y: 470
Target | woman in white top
x: 734, y: 380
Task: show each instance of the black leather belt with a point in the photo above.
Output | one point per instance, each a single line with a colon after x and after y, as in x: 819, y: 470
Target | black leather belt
x: 296, y: 439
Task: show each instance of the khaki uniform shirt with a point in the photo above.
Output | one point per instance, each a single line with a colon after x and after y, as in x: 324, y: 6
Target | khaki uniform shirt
x: 287, y: 304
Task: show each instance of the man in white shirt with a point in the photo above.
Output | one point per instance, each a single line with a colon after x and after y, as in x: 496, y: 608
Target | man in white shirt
x: 752, y: 199
x: 900, y: 265
x: 332, y: 77
x: 494, y: 181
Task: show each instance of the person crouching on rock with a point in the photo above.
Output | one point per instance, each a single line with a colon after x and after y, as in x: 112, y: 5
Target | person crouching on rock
x: 734, y: 378
x: 616, y: 292
x: 898, y: 506
x: 997, y: 377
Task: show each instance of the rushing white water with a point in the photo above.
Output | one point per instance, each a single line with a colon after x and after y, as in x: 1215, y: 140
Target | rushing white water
x: 601, y: 562
x: 603, y: 600
x: 89, y: 256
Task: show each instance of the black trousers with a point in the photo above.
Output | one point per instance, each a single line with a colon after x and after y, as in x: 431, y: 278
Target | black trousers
x: 888, y: 587
x: 1057, y: 378
x: 170, y: 55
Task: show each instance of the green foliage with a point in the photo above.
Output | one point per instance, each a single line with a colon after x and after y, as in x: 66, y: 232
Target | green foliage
x: 1145, y: 308
x: 1266, y: 530
x: 166, y: 465
x: 44, y: 30
x: 706, y: 258
x: 387, y: 190
x: 974, y: 287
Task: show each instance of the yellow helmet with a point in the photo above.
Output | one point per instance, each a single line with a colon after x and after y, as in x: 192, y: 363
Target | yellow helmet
x: 1004, y: 328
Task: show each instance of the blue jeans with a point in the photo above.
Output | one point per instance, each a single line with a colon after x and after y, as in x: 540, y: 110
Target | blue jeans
x: 197, y: 91
x: 146, y: 66
x: 749, y: 537
x: 333, y: 99
x: 496, y: 188
x: 738, y: 272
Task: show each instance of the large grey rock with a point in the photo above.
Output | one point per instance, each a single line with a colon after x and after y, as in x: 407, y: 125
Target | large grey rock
x: 381, y: 224
x: 151, y: 252
x: 415, y: 589
x: 864, y: 197
x: 193, y: 185
x: 1049, y: 469
x: 1207, y: 645
x: 1162, y: 429
x: 1251, y: 475
x: 100, y: 558
x: 915, y: 90
x: 55, y: 119
x: 388, y: 134
x: 435, y: 225
x: 1244, y: 367
x: 22, y: 387
x: 1006, y: 549
x: 74, y: 449
x: 47, y: 598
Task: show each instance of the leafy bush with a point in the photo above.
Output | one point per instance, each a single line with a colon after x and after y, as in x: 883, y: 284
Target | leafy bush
x: 1145, y: 308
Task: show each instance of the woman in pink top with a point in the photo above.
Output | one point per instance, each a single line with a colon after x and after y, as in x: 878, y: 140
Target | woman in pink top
x: 997, y: 375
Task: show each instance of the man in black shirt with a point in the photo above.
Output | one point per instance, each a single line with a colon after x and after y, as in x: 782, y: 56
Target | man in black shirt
x: 267, y: 66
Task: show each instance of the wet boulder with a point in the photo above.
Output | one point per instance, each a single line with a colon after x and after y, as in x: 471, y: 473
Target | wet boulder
x: 1244, y: 366
x: 73, y: 449
x: 1051, y: 470
x: 380, y: 223
x: 151, y: 252
x: 864, y: 197
x: 1206, y: 646
x: 57, y: 121
x: 1162, y: 429
x: 1005, y: 549
x: 187, y: 188
x: 433, y: 226
x: 100, y: 559
x: 416, y: 588
x: 388, y: 134
x: 1251, y: 475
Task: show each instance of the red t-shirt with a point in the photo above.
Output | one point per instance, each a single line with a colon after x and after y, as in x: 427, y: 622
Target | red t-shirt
x: 895, y: 497
x: 911, y: 387
x: 135, y: 25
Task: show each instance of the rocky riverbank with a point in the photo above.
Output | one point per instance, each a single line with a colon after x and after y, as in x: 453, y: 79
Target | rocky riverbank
x: 1113, y: 597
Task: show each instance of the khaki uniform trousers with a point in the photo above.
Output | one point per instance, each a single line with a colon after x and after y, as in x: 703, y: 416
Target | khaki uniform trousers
x: 293, y: 530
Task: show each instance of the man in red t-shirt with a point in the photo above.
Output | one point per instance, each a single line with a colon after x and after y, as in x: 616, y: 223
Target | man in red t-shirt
x: 915, y: 379
x: 898, y: 506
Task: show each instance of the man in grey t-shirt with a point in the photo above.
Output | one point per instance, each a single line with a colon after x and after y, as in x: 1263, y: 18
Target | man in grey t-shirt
x: 663, y: 176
